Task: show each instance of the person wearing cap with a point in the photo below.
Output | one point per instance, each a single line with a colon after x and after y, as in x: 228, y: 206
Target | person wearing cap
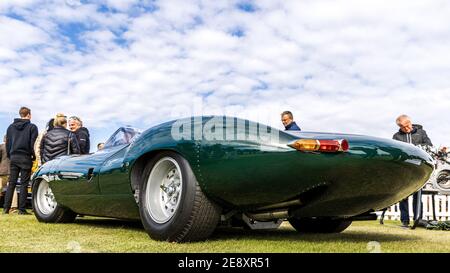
x: 81, y: 133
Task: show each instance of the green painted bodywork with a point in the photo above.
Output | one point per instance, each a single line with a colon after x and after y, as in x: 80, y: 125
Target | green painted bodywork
x: 244, y: 169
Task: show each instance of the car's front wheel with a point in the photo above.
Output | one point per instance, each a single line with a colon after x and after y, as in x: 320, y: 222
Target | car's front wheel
x: 319, y: 225
x: 172, y: 205
x: 45, y: 207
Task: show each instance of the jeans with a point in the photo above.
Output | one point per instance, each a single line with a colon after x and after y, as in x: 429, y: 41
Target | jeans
x: 25, y: 173
x: 404, y: 209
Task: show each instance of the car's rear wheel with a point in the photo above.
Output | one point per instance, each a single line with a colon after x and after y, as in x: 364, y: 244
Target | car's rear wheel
x: 172, y: 205
x: 45, y: 207
x: 319, y: 225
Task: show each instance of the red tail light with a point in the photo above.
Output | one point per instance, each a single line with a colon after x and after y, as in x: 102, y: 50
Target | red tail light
x: 322, y: 145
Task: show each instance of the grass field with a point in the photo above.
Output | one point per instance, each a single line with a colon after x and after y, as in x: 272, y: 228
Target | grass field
x: 89, y: 234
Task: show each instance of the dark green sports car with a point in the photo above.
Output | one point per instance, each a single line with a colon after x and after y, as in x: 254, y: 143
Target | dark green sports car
x: 184, y: 178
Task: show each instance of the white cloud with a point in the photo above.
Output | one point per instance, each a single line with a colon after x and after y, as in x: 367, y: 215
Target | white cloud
x: 7, y: 54
x: 122, y: 5
x: 8, y: 4
x: 338, y: 65
x: 17, y: 34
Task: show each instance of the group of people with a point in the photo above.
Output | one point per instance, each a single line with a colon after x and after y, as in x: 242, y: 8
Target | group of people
x: 25, y: 149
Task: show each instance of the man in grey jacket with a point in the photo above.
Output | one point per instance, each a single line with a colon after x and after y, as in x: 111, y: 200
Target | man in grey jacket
x: 416, y: 135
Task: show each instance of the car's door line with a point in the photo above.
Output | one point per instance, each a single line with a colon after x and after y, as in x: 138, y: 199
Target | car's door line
x: 90, y: 174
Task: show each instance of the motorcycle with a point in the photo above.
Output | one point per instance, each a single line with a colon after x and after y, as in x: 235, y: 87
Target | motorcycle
x: 440, y: 178
x: 439, y: 181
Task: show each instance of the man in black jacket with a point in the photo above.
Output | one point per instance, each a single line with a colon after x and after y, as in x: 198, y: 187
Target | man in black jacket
x: 20, y: 138
x: 414, y: 134
x: 81, y: 133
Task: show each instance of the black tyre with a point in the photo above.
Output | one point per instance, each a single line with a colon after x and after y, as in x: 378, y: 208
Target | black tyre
x: 443, y: 180
x: 172, y: 206
x: 45, y: 207
x: 319, y: 225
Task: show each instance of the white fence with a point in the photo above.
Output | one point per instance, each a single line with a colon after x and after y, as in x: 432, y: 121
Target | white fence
x: 442, y: 205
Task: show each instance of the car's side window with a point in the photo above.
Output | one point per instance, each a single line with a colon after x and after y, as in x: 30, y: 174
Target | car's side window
x: 119, y: 139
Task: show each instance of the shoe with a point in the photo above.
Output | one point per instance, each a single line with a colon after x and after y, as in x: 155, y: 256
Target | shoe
x: 24, y: 212
x: 422, y: 223
x: 6, y: 211
x: 405, y: 224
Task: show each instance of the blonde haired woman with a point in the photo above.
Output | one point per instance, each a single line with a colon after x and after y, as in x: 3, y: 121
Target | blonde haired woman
x: 59, y: 141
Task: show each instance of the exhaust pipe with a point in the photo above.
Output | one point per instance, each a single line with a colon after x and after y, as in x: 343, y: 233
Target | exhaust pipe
x: 364, y: 217
x: 281, y: 205
x: 269, y: 216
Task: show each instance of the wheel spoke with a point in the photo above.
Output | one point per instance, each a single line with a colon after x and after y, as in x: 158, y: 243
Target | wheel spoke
x: 163, y: 190
x: 46, y: 202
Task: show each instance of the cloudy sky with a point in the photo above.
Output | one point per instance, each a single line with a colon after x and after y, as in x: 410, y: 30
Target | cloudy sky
x: 340, y: 66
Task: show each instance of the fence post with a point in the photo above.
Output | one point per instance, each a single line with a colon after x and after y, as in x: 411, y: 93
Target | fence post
x: 442, y: 205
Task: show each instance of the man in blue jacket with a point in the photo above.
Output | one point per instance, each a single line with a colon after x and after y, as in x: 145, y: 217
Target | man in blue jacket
x: 20, y: 138
x: 288, y: 121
